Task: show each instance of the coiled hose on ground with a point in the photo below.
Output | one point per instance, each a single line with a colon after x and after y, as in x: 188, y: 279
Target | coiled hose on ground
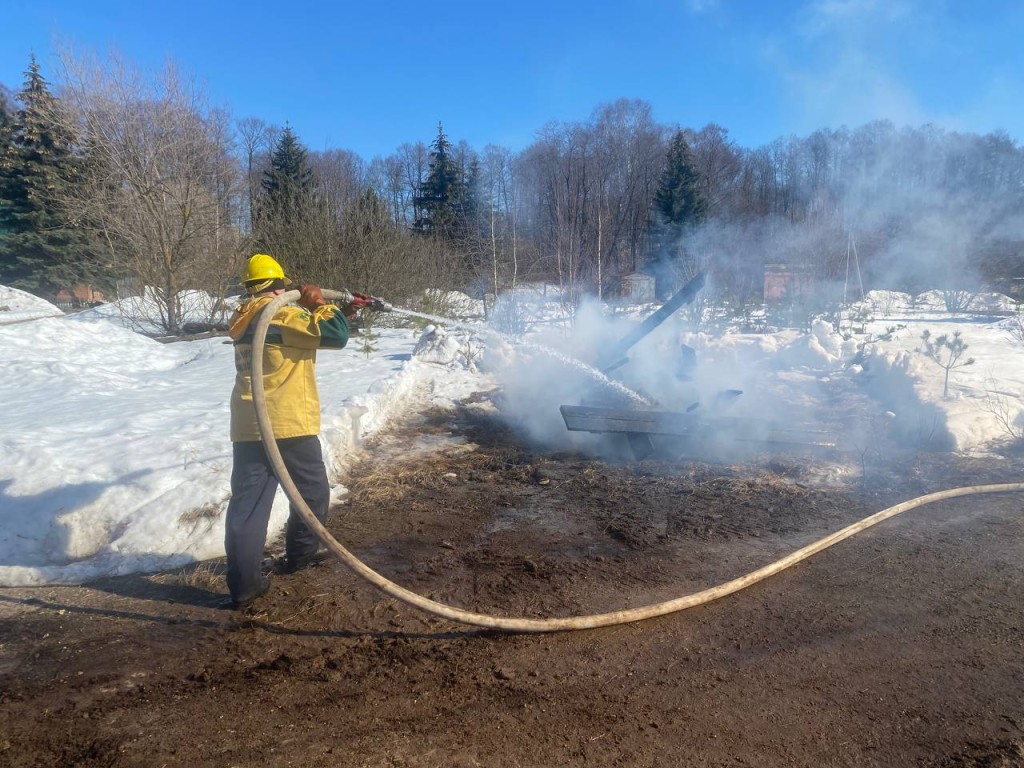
x: 509, y: 624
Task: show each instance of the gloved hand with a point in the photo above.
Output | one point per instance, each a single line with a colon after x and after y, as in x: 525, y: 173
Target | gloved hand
x: 361, y: 300
x: 312, y: 297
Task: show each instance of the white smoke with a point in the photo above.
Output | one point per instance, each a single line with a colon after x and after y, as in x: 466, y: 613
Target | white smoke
x: 732, y: 392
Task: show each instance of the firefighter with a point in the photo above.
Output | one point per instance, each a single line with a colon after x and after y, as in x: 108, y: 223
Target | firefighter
x: 289, y: 379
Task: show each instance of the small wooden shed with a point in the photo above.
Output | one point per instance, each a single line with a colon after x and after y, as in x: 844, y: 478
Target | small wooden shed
x: 783, y: 282
x: 638, y: 288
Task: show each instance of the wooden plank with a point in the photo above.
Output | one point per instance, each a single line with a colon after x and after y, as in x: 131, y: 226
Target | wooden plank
x: 580, y: 418
x: 641, y: 445
x: 588, y: 418
x: 685, y: 295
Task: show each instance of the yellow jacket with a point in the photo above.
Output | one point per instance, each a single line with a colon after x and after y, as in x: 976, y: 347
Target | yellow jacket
x: 289, y: 375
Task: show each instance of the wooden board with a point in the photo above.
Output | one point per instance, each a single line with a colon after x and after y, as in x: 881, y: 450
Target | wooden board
x: 585, y: 418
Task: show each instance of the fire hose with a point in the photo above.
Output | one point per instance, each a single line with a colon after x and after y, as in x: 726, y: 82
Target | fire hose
x: 514, y: 624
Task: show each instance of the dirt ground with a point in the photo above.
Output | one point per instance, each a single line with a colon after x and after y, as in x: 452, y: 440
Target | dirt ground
x: 899, y: 647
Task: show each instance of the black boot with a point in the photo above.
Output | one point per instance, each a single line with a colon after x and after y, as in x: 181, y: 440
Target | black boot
x: 301, y: 562
x: 243, y: 602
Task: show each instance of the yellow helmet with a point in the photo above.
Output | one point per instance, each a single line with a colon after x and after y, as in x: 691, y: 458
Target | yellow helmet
x: 263, y: 267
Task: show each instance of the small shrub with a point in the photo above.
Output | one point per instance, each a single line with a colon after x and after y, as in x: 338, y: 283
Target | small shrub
x: 945, y: 351
x: 509, y: 316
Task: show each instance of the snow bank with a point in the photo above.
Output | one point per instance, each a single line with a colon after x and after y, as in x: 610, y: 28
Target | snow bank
x: 935, y: 301
x: 18, y: 306
x: 144, y: 314
x: 893, y: 378
x: 886, y: 302
x: 992, y: 302
x: 984, y: 404
x: 115, y: 458
x: 820, y: 350
x: 457, y: 349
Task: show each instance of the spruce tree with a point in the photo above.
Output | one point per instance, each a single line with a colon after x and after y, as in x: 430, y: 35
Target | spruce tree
x: 679, y: 201
x: 6, y: 138
x: 441, y: 198
x: 6, y: 117
x: 288, y: 212
x: 679, y: 206
x: 40, y: 250
x: 287, y: 185
x: 474, y: 209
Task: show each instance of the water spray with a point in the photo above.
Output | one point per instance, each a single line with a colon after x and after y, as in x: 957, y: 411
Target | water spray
x: 572, y: 362
x: 513, y: 624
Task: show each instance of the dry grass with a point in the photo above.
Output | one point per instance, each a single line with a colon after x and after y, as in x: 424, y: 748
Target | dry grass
x: 593, y: 475
x: 759, y: 484
x: 381, y: 484
x: 200, y: 514
x: 207, y: 576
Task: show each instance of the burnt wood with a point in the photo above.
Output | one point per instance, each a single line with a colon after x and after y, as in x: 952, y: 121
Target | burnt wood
x: 613, y: 357
x: 583, y: 418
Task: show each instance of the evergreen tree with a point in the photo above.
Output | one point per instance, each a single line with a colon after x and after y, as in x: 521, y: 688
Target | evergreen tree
x: 287, y: 185
x: 474, y: 209
x: 679, y: 206
x: 442, y: 195
x: 367, y: 336
x: 40, y: 249
x: 679, y: 201
x: 6, y: 138
x: 289, y: 217
x: 6, y: 117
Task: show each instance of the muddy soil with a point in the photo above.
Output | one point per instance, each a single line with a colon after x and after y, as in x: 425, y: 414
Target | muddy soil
x: 899, y: 647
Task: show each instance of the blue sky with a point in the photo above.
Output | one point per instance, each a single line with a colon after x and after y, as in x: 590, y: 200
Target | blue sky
x: 368, y: 76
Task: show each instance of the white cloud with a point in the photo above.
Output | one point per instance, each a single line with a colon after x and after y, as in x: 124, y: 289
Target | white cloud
x: 850, y: 16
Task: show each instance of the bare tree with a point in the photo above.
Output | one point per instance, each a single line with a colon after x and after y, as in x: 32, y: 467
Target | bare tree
x: 381, y: 257
x: 159, y: 187
x: 386, y: 176
x: 414, y: 160
x: 626, y: 157
x: 341, y: 177
x: 501, y: 200
x: 257, y: 140
x: 589, y: 187
x: 717, y: 160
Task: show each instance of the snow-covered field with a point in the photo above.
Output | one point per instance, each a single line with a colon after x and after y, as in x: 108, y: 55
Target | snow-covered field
x: 984, y: 405
x: 114, y: 451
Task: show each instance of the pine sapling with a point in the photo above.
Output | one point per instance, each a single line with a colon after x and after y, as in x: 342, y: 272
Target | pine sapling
x: 859, y: 320
x: 946, y: 351
x: 368, y: 339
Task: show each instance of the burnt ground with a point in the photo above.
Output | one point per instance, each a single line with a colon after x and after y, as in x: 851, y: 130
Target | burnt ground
x: 899, y: 647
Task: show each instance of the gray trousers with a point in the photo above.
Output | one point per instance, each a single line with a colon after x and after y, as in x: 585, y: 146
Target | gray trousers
x: 253, y: 487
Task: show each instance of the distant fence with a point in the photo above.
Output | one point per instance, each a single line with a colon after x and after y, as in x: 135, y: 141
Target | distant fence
x: 73, y: 305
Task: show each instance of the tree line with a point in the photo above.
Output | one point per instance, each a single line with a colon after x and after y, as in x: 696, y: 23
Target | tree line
x: 127, y: 180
